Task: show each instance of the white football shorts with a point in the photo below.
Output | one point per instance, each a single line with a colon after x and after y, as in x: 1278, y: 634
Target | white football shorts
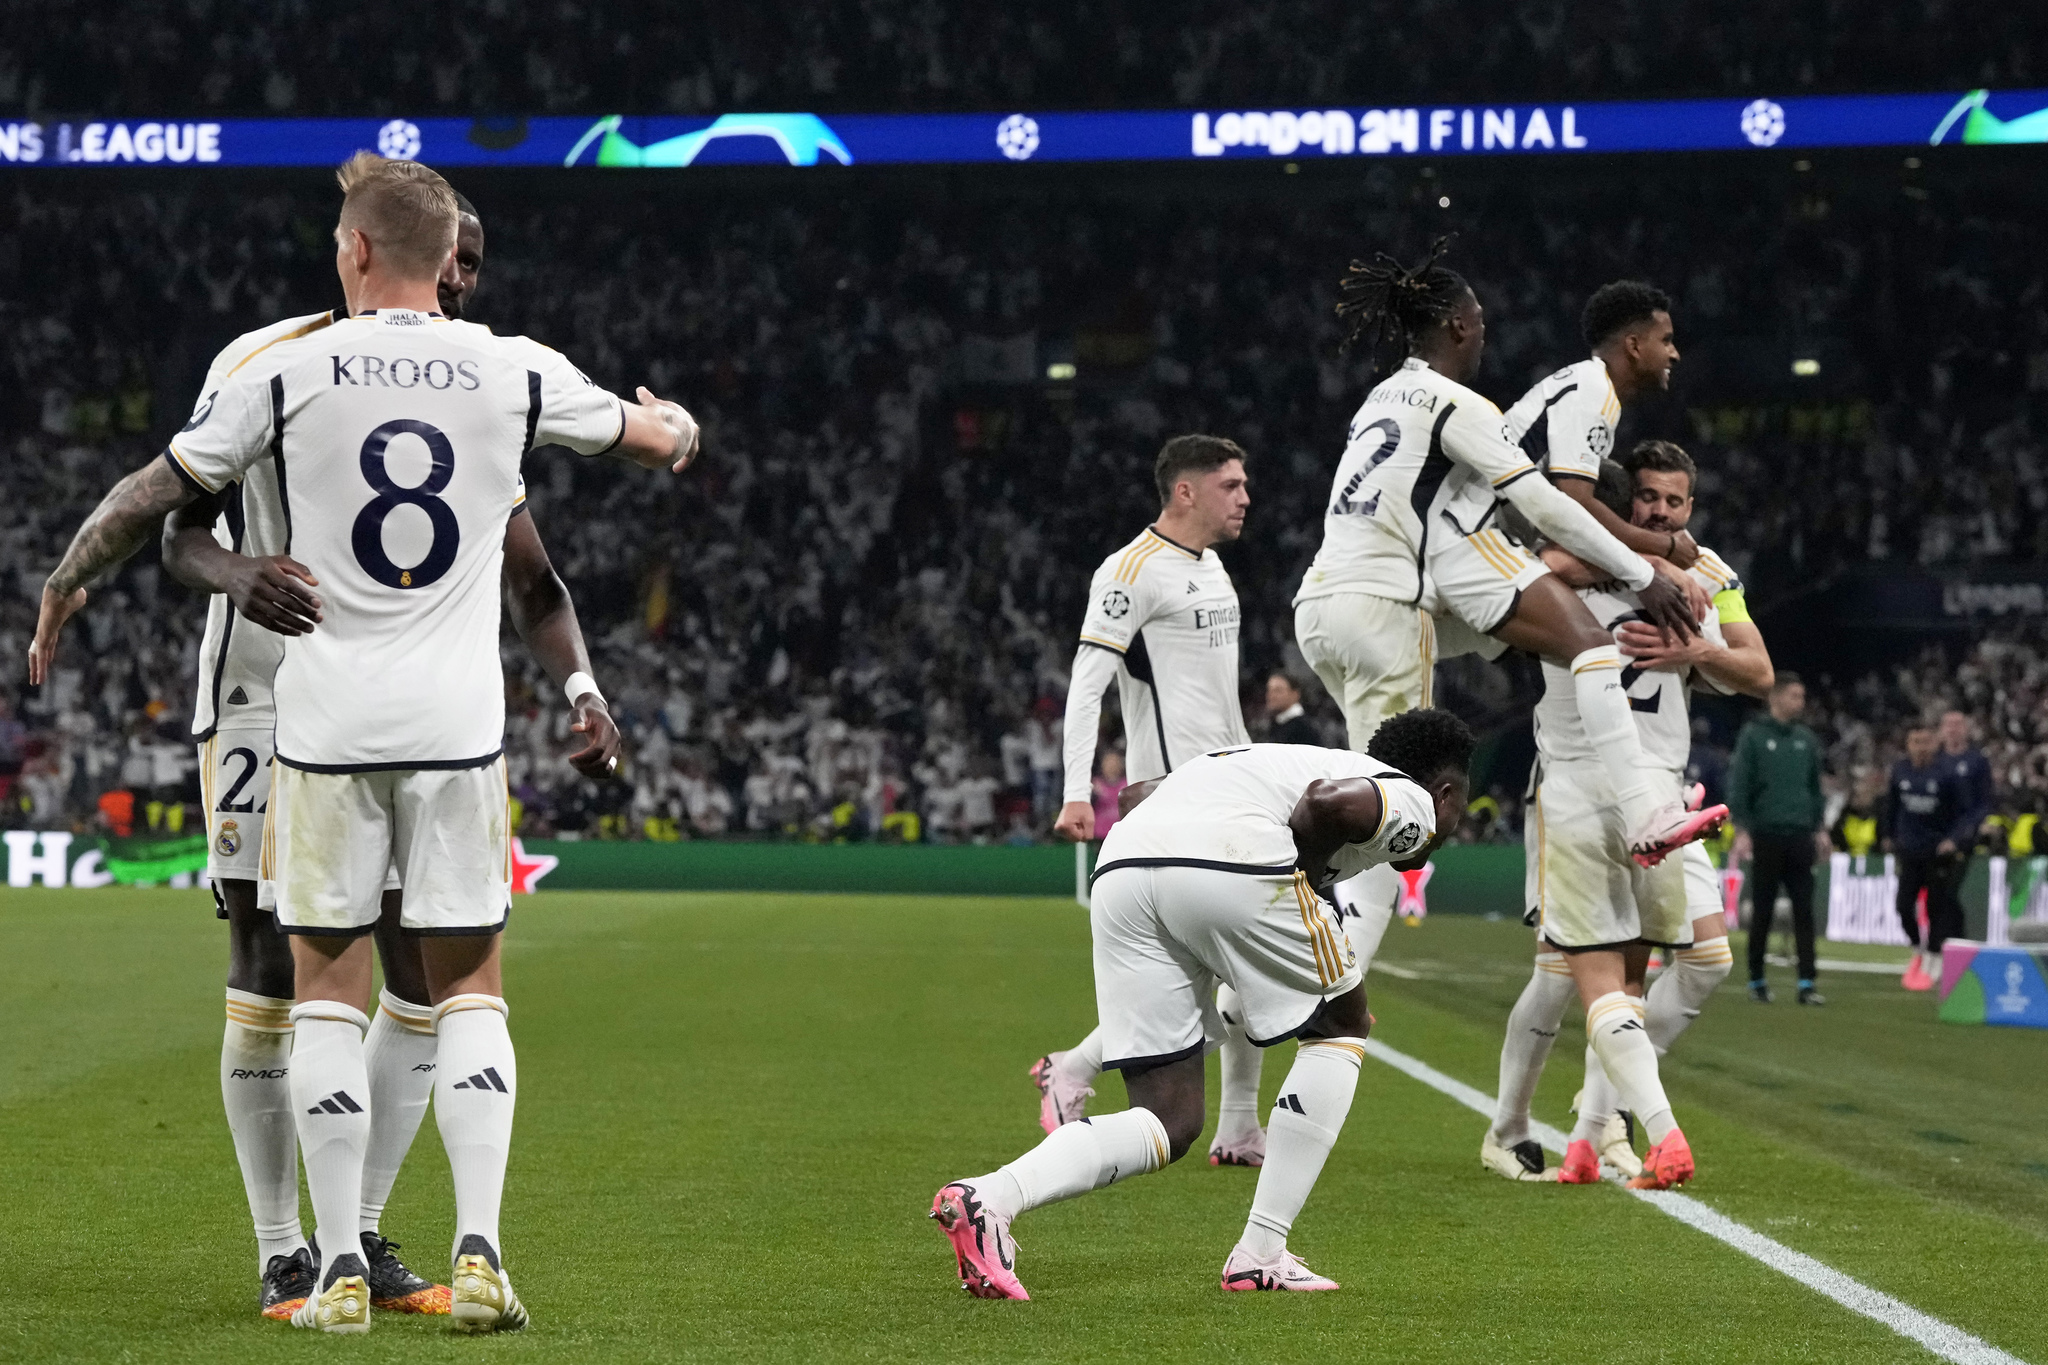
x: 1378, y: 656
x: 1165, y: 936
x: 1584, y: 888
x: 337, y: 839
x: 234, y: 782
x: 1478, y: 579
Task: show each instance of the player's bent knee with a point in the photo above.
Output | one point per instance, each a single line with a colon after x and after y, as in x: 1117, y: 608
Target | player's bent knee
x: 1345, y: 1016
x: 1174, y: 1095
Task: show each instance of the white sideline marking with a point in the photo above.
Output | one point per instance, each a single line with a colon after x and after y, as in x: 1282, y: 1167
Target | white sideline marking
x: 1948, y: 1342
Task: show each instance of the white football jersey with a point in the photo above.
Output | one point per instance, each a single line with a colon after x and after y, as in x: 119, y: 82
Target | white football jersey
x: 395, y: 439
x: 1170, y: 615
x: 238, y: 658
x: 1425, y: 456
x: 1229, y: 810
x: 1659, y: 698
x: 1566, y: 423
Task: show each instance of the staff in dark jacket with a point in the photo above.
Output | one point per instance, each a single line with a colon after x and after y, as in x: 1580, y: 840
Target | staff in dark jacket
x: 1287, y: 716
x: 1774, y: 795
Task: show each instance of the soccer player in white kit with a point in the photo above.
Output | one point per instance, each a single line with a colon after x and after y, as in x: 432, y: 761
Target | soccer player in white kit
x: 1412, y: 566
x: 1220, y: 873
x: 1598, y: 913
x: 397, y: 439
x: 1162, y: 624
x: 237, y: 555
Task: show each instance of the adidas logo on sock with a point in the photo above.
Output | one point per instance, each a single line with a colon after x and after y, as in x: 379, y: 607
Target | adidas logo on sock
x: 1290, y: 1102
x: 238, y: 698
x: 487, y: 1079
x: 337, y: 1103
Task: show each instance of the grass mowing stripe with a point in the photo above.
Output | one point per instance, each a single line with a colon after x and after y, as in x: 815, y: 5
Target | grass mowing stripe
x: 1949, y: 1342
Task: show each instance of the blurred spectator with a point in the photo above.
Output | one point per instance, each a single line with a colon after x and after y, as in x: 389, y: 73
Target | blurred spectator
x: 1286, y: 718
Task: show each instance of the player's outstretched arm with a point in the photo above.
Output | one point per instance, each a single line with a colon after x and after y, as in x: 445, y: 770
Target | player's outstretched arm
x: 545, y: 617
x: 658, y: 432
x: 1331, y: 814
x: 274, y: 591
x: 1676, y: 546
x: 122, y: 524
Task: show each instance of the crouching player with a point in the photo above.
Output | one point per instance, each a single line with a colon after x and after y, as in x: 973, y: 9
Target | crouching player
x: 1221, y: 874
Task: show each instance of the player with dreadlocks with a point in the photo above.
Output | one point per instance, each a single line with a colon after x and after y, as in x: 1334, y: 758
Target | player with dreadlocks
x: 1413, y: 567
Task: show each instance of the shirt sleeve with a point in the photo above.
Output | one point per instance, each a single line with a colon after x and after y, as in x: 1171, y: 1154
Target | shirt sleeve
x: 1407, y: 820
x: 1117, y: 604
x: 1094, y: 671
x: 572, y: 411
x: 229, y: 430
x: 1581, y: 433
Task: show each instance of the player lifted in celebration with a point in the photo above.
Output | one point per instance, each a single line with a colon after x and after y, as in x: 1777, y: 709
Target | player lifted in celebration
x: 231, y: 546
x: 1412, y: 565
x: 1162, y: 623
x: 1566, y: 423
x: 1218, y: 875
x: 1598, y: 914
x: 396, y: 438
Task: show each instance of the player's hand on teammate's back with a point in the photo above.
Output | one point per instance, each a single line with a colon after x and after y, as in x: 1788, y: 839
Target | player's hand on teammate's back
x: 1651, y: 648
x: 42, y: 651
x: 1667, y: 605
x: 273, y: 591
x: 1076, y: 823
x: 1695, y: 593
x: 599, y: 757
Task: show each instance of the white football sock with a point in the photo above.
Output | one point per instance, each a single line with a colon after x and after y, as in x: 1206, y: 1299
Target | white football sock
x: 1237, y: 1115
x: 1598, y: 1099
x: 330, y: 1088
x: 1682, y: 989
x: 1082, y: 1062
x: 1076, y: 1158
x: 1611, y: 729
x: 475, y: 1083
x: 256, y: 1091
x: 1614, y: 1026
x: 1300, y: 1132
x: 400, y: 1055
x: 1532, y: 1028
x: 1368, y: 899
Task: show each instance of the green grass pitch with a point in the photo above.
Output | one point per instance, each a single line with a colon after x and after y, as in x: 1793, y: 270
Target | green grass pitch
x: 735, y: 1109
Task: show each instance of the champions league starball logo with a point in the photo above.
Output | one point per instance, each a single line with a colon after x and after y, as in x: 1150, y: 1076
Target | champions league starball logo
x: 1763, y: 122
x: 1017, y: 137
x: 399, y: 140
x: 1115, y: 605
x: 1598, y: 438
x: 1405, y: 839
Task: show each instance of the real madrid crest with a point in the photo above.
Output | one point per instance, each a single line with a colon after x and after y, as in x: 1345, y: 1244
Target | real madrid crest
x: 229, y: 841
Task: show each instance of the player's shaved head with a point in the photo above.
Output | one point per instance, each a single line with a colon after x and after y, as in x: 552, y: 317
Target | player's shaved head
x: 405, y: 210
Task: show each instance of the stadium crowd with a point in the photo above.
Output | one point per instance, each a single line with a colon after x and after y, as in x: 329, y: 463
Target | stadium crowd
x: 223, y: 57
x: 855, y: 618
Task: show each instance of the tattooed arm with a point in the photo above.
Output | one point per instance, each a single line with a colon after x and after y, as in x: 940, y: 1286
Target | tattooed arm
x: 129, y: 516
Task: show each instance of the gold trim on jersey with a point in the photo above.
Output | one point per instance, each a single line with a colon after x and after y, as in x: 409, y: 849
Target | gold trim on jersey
x: 1191, y: 554
x: 1106, y: 644
x: 1517, y: 472
x: 307, y: 330
x: 171, y: 449
x: 1133, y: 561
